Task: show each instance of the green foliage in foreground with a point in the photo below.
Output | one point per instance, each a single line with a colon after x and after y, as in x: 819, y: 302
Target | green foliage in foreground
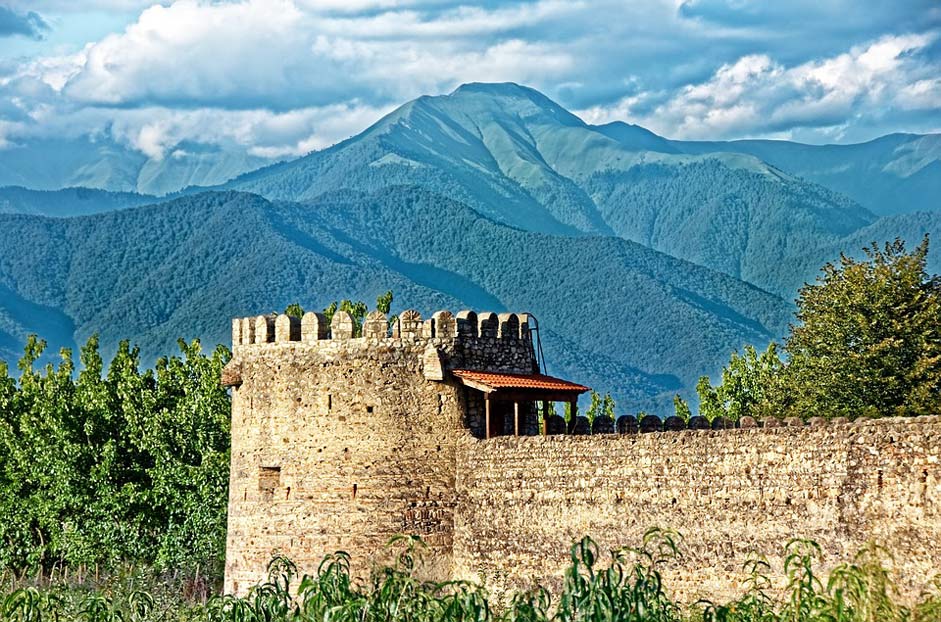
x: 110, y: 465
x: 626, y: 587
x: 867, y: 343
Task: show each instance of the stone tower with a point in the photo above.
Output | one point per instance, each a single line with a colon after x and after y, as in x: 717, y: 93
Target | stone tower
x: 340, y: 442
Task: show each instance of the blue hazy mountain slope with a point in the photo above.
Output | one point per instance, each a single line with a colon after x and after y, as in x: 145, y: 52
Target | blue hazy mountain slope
x: 894, y: 174
x: 616, y: 314
x: 519, y: 158
x: 52, y: 164
x: 68, y: 201
x: 750, y: 225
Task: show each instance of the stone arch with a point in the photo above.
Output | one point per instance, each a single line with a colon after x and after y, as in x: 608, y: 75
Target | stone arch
x: 287, y: 328
x: 487, y: 325
x: 698, y: 422
x: 509, y: 325
x: 555, y: 424
x: 376, y: 325
x: 410, y: 324
x: 264, y: 329
x: 248, y: 330
x: 602, y: 424
x: 313, y: 327
x: 466, y: 324
x: 341, y: 326
x: 627, y: 424
x: 721, y: 423
x: 236, y: 332
x: 674, y: 423
x: 445, y: 325
x: 526, y: 322
x: 581, y: 425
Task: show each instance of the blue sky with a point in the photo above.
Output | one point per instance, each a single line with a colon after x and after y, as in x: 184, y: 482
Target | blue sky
x: 277, y: 78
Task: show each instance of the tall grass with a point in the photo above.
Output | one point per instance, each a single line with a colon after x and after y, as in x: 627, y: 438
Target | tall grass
x: 625, y: 586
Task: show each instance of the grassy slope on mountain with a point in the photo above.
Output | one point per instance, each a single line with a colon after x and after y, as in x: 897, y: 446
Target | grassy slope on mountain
x: 631, y: 320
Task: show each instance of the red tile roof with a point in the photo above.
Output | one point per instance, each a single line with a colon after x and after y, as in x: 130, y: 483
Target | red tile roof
x: 497, y: 380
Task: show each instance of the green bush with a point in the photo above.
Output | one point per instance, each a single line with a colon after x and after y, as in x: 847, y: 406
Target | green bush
x: 101, y: 467
x: 628, y: 588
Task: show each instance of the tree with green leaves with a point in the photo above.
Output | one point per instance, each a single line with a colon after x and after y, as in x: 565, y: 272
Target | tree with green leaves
x: 681, y: 408
x: 114, y: 464
x: 752, y: 385
x: 294, y: 310
x: 600, y: 406
x: 384, y: 302
x: 868, y: 341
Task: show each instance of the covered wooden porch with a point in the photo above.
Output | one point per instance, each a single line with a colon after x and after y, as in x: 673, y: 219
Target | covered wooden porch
x: 504, y: 391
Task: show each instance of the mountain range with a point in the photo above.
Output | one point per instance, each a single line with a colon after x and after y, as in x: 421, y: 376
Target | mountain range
x: 646, y: 260
x: 104, y: 163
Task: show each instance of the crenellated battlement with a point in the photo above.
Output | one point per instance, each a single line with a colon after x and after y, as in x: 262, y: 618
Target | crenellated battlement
x: 313, y: 328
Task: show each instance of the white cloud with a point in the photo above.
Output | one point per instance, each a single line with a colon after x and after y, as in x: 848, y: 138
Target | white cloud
x: 71, y: 6
x: 463, y: 21
x: 281, y: 77
x: 920, y: 95
x: 194, y: 50
x: 759, y: 96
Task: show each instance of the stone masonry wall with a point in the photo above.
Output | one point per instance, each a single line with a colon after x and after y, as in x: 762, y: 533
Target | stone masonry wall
x: 521, y: 502
x: 340, y: 443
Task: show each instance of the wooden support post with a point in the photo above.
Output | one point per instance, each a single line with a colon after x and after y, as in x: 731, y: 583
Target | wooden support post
x: 574, y: 408
x: 545, y: 417
x: 516, y: 418
x: 487, y: 415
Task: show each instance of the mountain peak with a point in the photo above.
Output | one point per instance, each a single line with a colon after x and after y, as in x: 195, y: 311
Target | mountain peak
x: 527, y: 100
x: 506, y: 89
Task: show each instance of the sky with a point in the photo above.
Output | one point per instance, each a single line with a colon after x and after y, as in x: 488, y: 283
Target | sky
x: 279, y: 78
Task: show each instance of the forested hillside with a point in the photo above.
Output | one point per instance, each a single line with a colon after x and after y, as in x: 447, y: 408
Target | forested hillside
x: 67, y: 201
x: 895, y: 174
x: 750, y: 225
x: 614, y: 313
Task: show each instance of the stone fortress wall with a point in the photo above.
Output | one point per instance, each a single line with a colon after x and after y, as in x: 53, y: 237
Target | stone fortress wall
x: 522, y: 502
x: 339, y: 443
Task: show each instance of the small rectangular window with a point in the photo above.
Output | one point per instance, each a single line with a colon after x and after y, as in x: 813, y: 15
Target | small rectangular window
x: 269, y: 478
x: 369, y: 410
